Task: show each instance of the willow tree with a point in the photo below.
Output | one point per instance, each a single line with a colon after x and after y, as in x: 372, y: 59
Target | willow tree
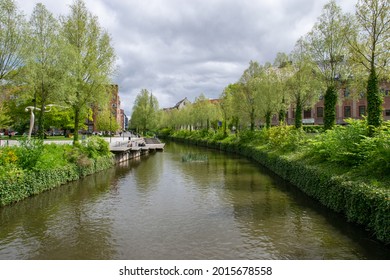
x: 246, y: 99
x: 228, y: 106
x: 327, y: 47
x: 46, y: 62
x: 282, y: 63
x: 369, y: 39
x: 303, y: 84
x: 268, y: 93
x: 93, y: 62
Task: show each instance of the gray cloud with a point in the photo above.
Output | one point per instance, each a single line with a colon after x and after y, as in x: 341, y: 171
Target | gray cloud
x: 181, y: 48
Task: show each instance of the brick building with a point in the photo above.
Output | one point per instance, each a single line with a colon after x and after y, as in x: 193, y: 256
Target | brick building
x: 348, y: 106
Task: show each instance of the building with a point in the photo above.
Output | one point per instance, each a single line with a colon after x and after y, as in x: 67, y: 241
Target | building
x: 348, y: 106
x: 116, y: 113
x: 179, y: 105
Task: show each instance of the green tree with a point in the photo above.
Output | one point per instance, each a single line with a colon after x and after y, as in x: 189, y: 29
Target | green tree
x: 369, y: 39
x: 106, y: 121
x: 303, y: 84
x: 145, y: 113
x: 327, y: 47
x: 246, y: 102
x: 268, y: 93
x: 228, y: 107
x: 283, y: 64
x: 45, y: 63
x: 12, y: 39
x: 93, y: 62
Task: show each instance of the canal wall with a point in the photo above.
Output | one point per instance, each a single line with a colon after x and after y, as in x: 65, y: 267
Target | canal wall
x: 358, y: 201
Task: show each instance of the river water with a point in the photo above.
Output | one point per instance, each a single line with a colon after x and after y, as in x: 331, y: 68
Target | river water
x: 159, y: 207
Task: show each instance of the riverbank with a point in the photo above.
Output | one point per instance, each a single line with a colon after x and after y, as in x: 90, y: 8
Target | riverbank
x: 32, y: 167
x: 362, y: 201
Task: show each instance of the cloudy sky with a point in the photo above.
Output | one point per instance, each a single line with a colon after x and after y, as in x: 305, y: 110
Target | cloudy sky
x: 178, y: 48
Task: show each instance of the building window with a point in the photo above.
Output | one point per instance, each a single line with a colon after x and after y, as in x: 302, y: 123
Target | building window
x: 387, y: 113
x: 320, y: 112
x: 387, y: 92
x: 362, y: 110
x: 362, y: 95
x: 346, y: 92
x: 347, y: 111
x: 307, y: 114
x: 293, y: 113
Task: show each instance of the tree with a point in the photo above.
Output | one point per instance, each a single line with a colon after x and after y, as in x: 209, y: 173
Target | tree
x: 246, y: 96
x: 45, y: 63
x: 268, y: 93
x: 303, y: 84
x: 370, y: 45
x: 12, y: 39
x: 327, y: 47
x: 145, y: 112
x: 106, y: 122
x: 93, y: 62
x: 228, y: 107
x: 283, y: 65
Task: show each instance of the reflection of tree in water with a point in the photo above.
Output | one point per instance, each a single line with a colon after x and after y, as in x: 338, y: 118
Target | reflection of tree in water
x: 68, y: 222
x: 149, y: 172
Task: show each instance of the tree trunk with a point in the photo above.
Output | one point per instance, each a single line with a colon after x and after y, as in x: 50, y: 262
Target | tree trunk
x: 76, y: 125
x: 41, y: 114
x: 268, y: 120
x: 253, y: 119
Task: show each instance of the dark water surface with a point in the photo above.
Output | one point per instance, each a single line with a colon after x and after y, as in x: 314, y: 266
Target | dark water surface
x: 159, y: 207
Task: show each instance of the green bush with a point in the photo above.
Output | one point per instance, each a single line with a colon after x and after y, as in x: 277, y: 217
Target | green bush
x: 95, y: 147
x: 51, y: 157
x: 285, y: 138
x: 339, y: 145
x: 313, y: 128
x: 29, y: 152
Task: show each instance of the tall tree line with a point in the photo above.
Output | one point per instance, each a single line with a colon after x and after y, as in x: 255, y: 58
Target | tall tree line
x: 68, y: 61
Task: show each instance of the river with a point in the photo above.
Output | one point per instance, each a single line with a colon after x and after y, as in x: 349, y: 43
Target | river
x: 159, y: 207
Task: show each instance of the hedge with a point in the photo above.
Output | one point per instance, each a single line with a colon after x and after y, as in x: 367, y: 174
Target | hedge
x: 33, y: 182
x: 360, y: 202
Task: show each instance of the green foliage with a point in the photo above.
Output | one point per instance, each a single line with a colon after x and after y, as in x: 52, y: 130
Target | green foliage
x: 313, y: 128
x: 339, y: 145
x: 52, y: 157
x: 29, y: 152
x: 145, y: 114
x: 330, y: 100
x: 33, y: 167
x: 285, y: 138
x: 374, y: 102
x: 95, y: 147
x: 374, y: 152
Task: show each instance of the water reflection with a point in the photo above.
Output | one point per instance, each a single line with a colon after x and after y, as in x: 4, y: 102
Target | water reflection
x: 162, y: 208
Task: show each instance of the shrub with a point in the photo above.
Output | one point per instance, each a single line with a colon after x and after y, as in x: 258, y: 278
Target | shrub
x: 95, y: 147
x: 29, y: 152
x: 340, y: 145
x: 51, y: 157
x: 285, y: 138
